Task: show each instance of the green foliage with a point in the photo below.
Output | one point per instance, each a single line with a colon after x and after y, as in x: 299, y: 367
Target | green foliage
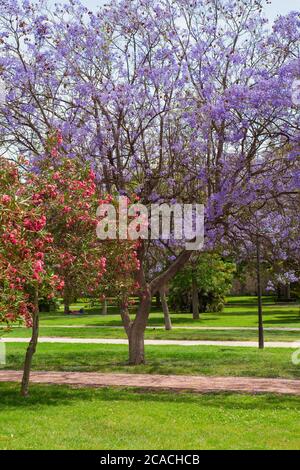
x: 213, y: 277
x: 48, y: 305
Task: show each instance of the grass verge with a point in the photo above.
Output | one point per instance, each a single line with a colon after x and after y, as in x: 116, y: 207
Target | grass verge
x: 188, y: 360
x: 59, y: 417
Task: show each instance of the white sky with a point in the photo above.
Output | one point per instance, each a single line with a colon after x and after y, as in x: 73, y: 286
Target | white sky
x: 278, y: 7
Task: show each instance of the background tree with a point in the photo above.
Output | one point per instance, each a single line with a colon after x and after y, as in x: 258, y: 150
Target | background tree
x: 202, y: 285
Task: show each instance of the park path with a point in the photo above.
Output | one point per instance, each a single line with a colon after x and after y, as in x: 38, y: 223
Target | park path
x: 158, y: 342
x: 159, y: 327
x: 200, y: 384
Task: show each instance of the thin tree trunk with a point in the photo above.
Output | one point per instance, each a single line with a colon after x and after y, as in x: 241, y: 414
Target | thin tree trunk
x: 125, y: 315
x: 288, y: 291
x: 104, y: 308
x: 67, y: 301
x: 165, y: 307
x: 31, y: 348
x: 195, y: 300
x: 261, y: 342
x: 67, y: 296
x: 157, y: 300
x: 66, y: 307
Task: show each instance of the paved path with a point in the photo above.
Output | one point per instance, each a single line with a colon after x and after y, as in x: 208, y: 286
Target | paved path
x: 159, y: 327
x: 158, y: 342
x: 160, y: 382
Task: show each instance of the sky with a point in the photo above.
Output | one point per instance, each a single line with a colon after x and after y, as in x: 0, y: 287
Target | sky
x: 278, y: 7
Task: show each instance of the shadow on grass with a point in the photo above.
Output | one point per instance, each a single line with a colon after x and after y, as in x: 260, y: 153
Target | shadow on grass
x: 284, y: 319
x: 62, y: 395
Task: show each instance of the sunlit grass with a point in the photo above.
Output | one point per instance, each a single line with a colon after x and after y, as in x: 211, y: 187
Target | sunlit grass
x: 58, y: 417
x: 188, y: 360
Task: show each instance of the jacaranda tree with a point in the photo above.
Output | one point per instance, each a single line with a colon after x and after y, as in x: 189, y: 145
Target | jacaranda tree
x: 178, y: 101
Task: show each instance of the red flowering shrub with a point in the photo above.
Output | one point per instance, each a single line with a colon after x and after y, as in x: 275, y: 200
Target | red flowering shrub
x: 25, y: 246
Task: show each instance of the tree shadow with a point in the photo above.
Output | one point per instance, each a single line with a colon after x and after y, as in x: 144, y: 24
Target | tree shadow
x: 283, y: 318
x: 63, y: 395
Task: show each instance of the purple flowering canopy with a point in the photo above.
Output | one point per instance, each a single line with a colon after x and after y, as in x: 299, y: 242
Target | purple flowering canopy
x: 184, y: 100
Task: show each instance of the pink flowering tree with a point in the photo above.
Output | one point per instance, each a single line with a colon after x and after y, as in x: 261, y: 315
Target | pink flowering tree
x: 25, y: 246
x: 48, y: 244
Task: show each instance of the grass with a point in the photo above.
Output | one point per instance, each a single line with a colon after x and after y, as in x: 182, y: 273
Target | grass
x: 238, y: 312
x: 60, y: 417
x: 66, y: 418
x: 159, y: 334
x: 189, y: 360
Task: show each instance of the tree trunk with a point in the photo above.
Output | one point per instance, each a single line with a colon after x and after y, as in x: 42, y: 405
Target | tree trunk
x: 136, y: 346
x: 136, y: 330
x: 195, y: 300
x: 67, y: 296
x: 261, y: 342
x: 104, y: 308
x: 165, y: 307
x: 67, y: 301
x: 288, y: 291
x: 157, y: 300
x: 66, y: 307
x: 31, y: 348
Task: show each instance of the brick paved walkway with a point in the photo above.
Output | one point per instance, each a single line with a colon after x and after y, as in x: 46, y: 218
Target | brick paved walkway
x: 160, y: 382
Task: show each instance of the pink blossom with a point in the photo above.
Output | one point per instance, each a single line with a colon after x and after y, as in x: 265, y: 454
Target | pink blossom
x: 5, y: 199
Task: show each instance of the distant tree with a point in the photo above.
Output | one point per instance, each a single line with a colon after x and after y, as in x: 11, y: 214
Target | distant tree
x: 202, y: 285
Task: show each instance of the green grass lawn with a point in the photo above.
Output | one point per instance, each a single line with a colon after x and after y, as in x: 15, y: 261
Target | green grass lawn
x: 60, y: 417
x: 238, y: 312
x: 66, y: 418
x: 193, y: 360
x: 160, y: 334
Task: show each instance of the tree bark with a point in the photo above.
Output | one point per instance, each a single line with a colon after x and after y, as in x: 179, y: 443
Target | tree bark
x: 288, y: 291
x: 66, y: 307
x: 67, y: 301
x: 137, y: 328
x: 31, y: 348
x: 157, y: 300
x: 261, y: 342
x: 67, y: 296
x: 195, y: 300
x: 104, y: 308
x: 165, y: 307
x: 136, y: 346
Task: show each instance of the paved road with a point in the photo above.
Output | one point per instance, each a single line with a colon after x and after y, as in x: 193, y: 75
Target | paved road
x: 154, y: 342
x: 160, y: 382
